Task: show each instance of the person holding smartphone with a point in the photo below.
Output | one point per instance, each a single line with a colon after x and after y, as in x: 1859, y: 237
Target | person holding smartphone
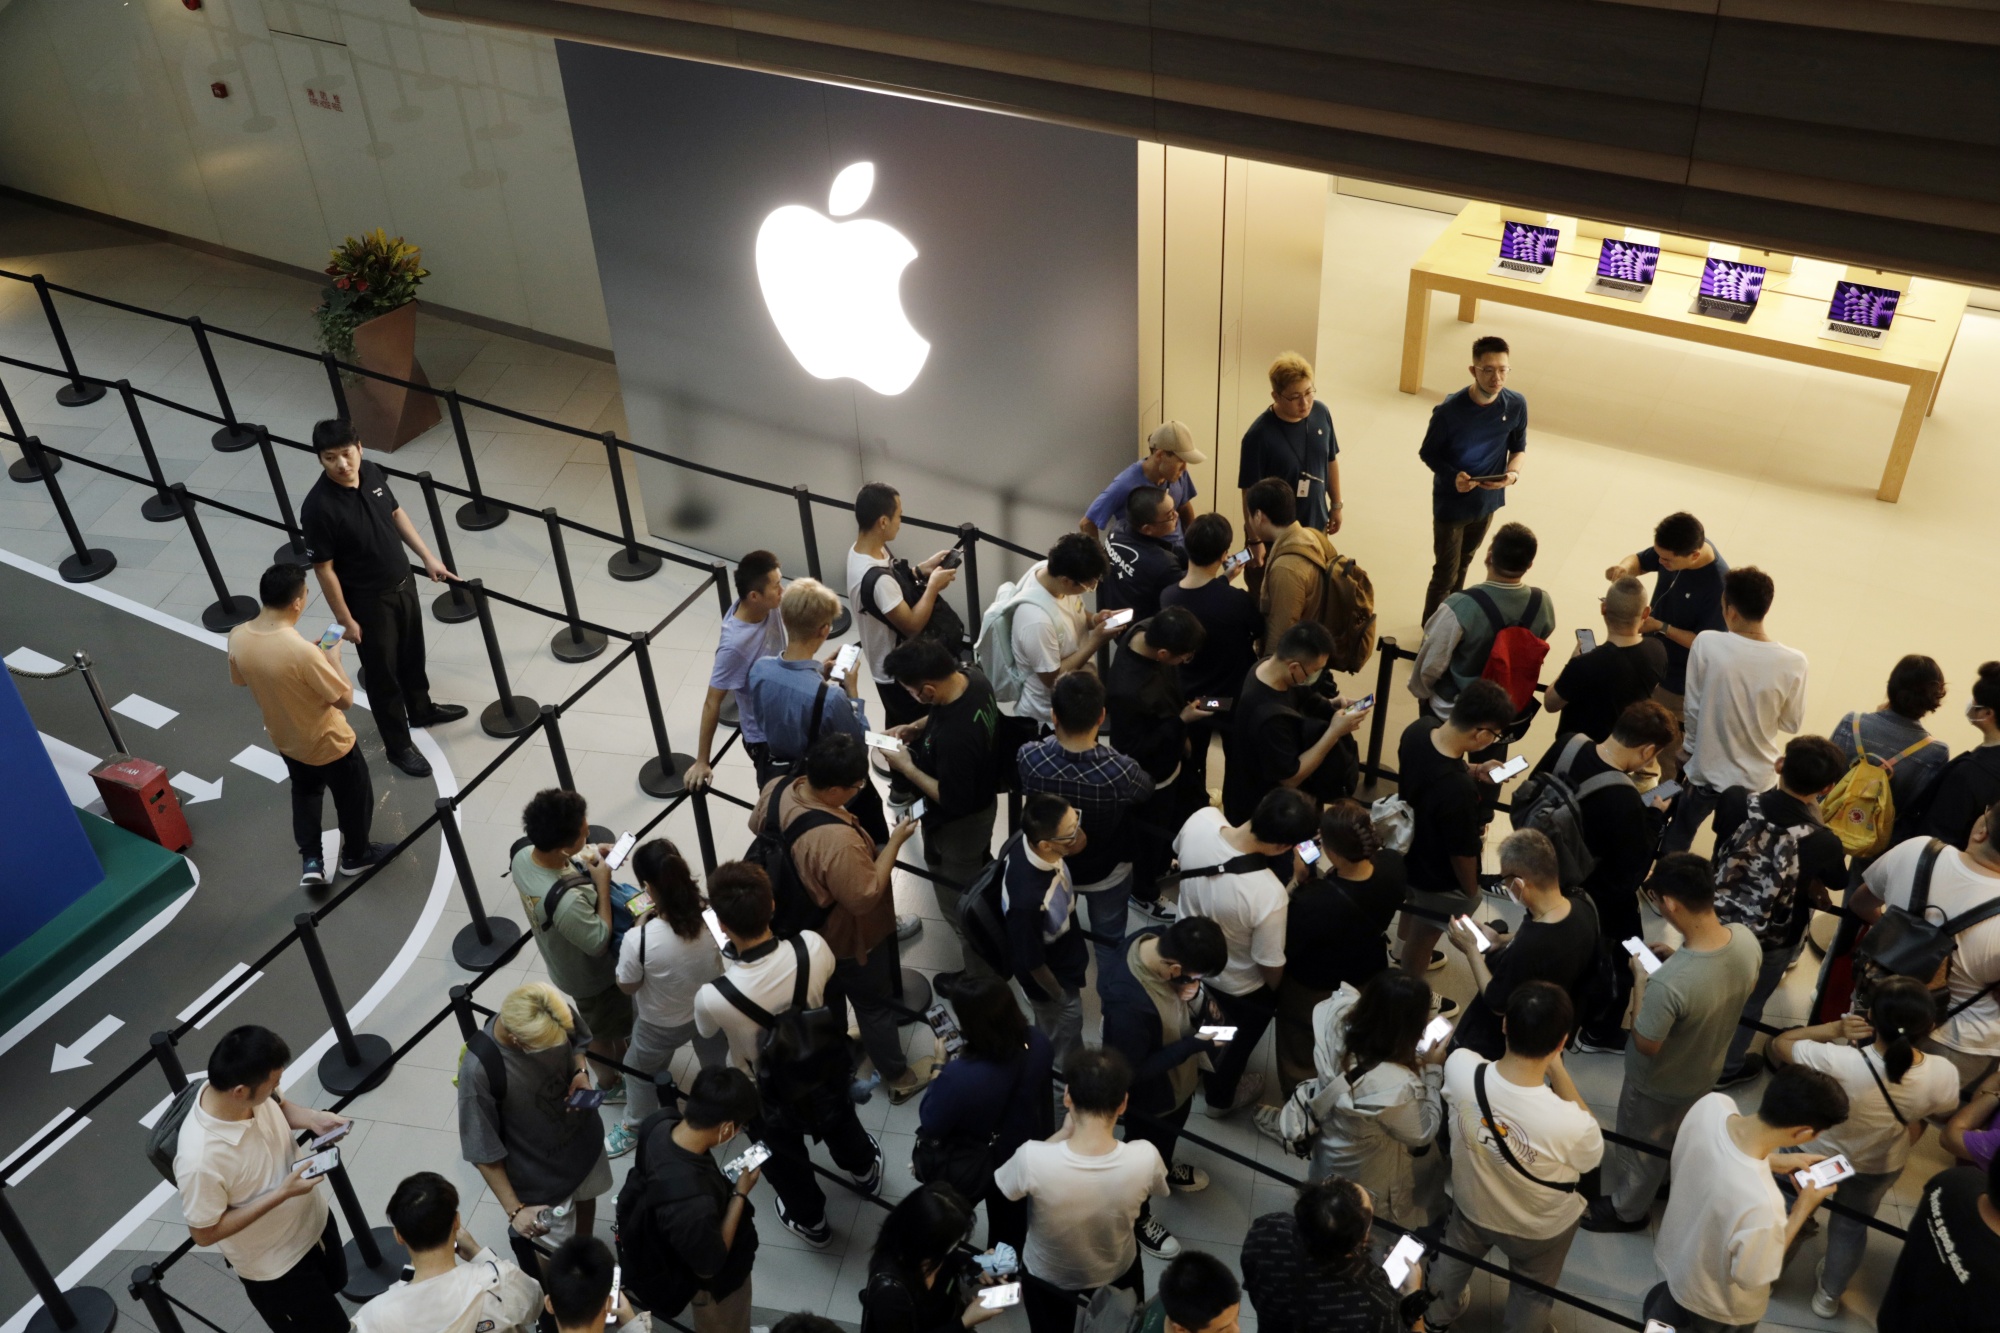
x: 583, y: 1294
x: 1474, y: 446
x: 1557, y: 942
x: 454, y: 1282
x: 919, y: 1278
x: 1146, y: 557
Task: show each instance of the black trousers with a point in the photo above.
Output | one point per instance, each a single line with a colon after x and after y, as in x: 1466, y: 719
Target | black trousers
x: 392, y: 653
x: 790, y: 1168
x: 353, y: 800
x: 1454, y: 543
x: 870, y: 988
x: 1054, y: 1311
x: 306, y: 1299
x: 1249, y: 1015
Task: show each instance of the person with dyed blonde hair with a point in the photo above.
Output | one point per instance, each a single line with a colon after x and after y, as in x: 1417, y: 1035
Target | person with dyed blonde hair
x: 518, y: 1123
x: 1293, y: 440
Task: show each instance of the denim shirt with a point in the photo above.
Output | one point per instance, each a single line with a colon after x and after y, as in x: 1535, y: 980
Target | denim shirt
x: 783, y: 693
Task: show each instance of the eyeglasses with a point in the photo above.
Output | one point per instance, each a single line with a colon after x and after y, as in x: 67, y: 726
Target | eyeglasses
x: 1299, y: 396
x: 1071, y: 836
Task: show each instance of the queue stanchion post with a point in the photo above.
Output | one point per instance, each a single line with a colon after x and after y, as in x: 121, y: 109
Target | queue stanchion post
x: 720, y: 573
x: 968, y: 536
x: 1385, y: 673
x: 357, y: 1062
x: 571, y: 643
x: 559, y: 757
x: 628, y: 564
x: 78, y: 1310
x: 665, y: 775
x: 335, y: 387
x: 704, y: 831
x: 479, y: 945
x: 461, y: 1009
x: 23, y: 469
x: 809, y: 534
x: 510, y: 714
x: 227, y: 610
x: 160, y: 506
x: 87, y: 563
x: 78, y: 392
x: 169, y: 1057
x: 234, y: 437
x: 454, y: 605
x: 908, y: 987
x: 160, y: 1312
x: 476, y: 515
x: 375, y: 1258
x: 295, y: 551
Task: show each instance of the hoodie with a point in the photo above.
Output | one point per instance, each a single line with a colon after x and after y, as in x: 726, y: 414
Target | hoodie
x: 1368, y: 1125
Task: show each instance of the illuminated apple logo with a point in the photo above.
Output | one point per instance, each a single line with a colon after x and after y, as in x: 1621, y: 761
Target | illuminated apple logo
x: 832, y: 288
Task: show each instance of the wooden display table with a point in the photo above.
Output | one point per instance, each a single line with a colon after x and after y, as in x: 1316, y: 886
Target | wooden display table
x: 1786, y: 325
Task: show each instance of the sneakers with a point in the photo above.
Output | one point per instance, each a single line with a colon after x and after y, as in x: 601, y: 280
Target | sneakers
x: 312, y: 873
x: 869, y: 1181
x: 410, y: 761
x: 1437, y: 959
x: 1157, y: 910
x: 1753, y: 1066
x: 1587, y: 1046
x: 948, y: 985
x: 1601, y: 1216
x: 908, y: 925
x: 614, y: 1094
x: 1267, y: 1125
x: 1156, y: 1240
x: 372, y: 854
x: 1825, y: 1306
x: 1249, y: 1090
x: 1446, y: 1007
x: 819, y: 1237
x: 914, y: 1080
x: 1185, y: 1179
x: 619, y: 1141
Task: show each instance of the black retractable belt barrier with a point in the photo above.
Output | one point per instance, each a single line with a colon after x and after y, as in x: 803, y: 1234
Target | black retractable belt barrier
x: 78, y: 392
x: 295, y: 551
x: 145, y: 1289
x: 720, y: 573
x: 478, y: 515
x: 665, y: 774
x: 809, y: 534
x: 375, y: 1258
x: 461, y: 1009
x: 1385, y: 674
x: 169, y: 1058
x: 87, y: 563
x: 511, y: 713
x: 79, y: 1310
x: 335, y: 387
x: 572, y: 643
x: 227, y: 610
x: 629, y: 564
x: 234, y: 436
x: 160, y: 506
x: 704, y: 832
x: 24, y: 469
x: 968, y: 534
x: 559, y: 757
x: 356, y: 1063
x: 454, y: 605
x: 486, y: 939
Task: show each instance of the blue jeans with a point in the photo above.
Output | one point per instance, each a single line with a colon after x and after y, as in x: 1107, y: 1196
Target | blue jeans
x: 1846, y: 1237
x: 1106, y: 909
x: 1776, y: 962
x: 1691, y: 810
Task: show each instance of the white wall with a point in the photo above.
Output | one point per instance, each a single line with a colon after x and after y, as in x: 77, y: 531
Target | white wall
x: 455, y: 137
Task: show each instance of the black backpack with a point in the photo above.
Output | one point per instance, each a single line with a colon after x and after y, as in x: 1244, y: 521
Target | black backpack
x: 980, y: 921
x: 804, y: 1059
x: 163, y: 1141
x: 793, y: 907
x: 1904, y: 942
x: 945, y: 624
x: 656, y: 1277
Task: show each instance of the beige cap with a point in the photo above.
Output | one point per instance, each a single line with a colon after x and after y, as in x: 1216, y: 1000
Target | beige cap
x: 1171, y: 437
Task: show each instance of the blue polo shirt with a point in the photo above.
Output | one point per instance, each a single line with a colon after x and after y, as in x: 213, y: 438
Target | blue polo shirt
x: 783, y: 693
x: 1107, y: 511
x: 1466, y: 437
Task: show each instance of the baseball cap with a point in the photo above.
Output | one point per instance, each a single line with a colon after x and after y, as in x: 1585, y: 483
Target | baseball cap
x: 1171, y: 437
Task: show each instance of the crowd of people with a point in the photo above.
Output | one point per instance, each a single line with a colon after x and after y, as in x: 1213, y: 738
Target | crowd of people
x: 1204, y: 913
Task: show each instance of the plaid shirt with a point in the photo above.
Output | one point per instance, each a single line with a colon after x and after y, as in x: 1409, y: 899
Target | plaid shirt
x: 1101, y: 784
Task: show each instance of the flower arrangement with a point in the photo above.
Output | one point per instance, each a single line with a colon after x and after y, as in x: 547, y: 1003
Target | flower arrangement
x: 372, y: 275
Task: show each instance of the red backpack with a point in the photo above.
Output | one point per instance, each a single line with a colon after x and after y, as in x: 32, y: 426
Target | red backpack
x: 1514, y: 662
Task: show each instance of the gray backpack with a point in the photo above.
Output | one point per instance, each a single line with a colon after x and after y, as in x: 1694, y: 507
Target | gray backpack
x: 163, y: 1141
x: 1548, y: 802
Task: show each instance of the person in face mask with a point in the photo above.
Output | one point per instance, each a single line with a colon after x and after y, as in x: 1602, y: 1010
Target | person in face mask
x: 1557, y: 942
x: 1287, y: 732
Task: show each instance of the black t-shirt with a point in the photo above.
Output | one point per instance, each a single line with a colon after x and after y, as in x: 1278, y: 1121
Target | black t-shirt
x: 1333, y: 932
x: 1444, y: 796
x: 1562, y: 952
x: 689, y: 1196
x: 1142, y: 702
x: 1229, y: 614
x: 1689, y: 599
x: 1141, y: 567
x: 1948, y: 1276
x: 956, y: 748
x: 1291, y: 450
x: 1619, y: 828
x: 355, y: 528
x: 1600, y: 684
x: 1962, y: 793
x: 1268, y: 731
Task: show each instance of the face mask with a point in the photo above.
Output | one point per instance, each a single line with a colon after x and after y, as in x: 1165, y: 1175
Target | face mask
x: 1313, y: 679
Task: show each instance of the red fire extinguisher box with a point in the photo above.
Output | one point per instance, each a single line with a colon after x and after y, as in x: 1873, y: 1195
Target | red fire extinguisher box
x: 139, y: 800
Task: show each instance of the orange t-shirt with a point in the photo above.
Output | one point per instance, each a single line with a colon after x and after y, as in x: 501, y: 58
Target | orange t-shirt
x: 295, y: 687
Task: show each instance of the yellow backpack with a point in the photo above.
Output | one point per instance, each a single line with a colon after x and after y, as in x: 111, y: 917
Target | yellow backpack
x: 1860, y: 808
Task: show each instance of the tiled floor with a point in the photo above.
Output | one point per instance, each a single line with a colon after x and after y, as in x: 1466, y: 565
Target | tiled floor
x: 1781, y: 461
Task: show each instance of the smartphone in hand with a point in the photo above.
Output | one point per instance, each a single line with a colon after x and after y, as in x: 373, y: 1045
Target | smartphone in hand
x: 1217, y: 1034
x: 586, y: 1099
x: 620, y: 850
x: 1308, y: 852
x: 1361, y: 705
x: 1001, y: 1296
x: 753, y: 1157
x: 331, y: 1137
x: 1479, y: 939
x: 332, y: 635
x: 1436, y: 1031
x: 1402, y: 1259
x: 1118, y: 619
x: 322, y: 1162
x: 1647, y: 958
x: 1822, y: 1174
x: 1512, y: 768
x: 1236, y: 562
x: 1585, y: 641
x: 887, y: 744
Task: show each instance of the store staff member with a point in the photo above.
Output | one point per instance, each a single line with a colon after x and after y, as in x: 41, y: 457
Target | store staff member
x: 356, y: 532
x: 1473, y: 448
x: 1293, y: 440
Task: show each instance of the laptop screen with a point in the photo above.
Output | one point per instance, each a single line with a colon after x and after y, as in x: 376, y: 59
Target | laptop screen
x: 1527, y: 243
x: 1727, y: 280
x: 1869, y: 307
x: 1628, y: 261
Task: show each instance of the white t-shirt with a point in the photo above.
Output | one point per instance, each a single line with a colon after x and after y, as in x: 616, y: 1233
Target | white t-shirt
x: 1722, y: 1241
x: 1870, y: 1136
x: 1251, y: 909
x: 877, y: 638
x: 1042, y: 638
x: 223, y: 1163
x: 487, y: 1295
x: 1554, y: 1139
x: 767, y: 982
x: 1742, y: 694
x: 1955, y: 887
x: 1080, y: 1220
x: 675, y: 969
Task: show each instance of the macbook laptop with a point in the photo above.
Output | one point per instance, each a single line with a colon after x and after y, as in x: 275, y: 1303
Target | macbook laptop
x: 1526, y: 251
x: 1729, y: 290
x: 1625, y: 269
x: 1860, y: 315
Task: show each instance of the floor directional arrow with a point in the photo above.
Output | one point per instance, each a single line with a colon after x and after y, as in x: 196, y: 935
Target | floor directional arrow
x: 198, y: 790
x: 77, y: 1054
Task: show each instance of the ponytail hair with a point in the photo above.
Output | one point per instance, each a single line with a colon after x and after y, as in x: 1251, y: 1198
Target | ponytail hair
x: 1348, y: 830
x: 664, y: 874
x: 1902, y: 1015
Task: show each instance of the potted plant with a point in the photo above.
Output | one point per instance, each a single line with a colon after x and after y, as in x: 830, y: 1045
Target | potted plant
x: 367, y: 317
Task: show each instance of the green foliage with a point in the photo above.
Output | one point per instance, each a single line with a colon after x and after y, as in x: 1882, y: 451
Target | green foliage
x: 372, y: 275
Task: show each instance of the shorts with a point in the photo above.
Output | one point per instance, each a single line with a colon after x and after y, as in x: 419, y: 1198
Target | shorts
x: 608, y: 1013
x: 595, y: 1185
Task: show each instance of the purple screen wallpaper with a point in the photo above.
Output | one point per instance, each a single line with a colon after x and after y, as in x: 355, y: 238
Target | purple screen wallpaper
x: 1731, y: 281
x: 1628, y: 260
x: 1870, y: 307
x: 1528, y: 243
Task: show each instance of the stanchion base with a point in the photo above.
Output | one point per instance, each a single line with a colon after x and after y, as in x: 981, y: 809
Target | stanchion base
x: 222, y: 616
x: 474, y: 955
x: 340, y: 1078
x: 95, y: 1310
x: 476, y: 517
x: 92, y: 565
x: 631, y: 566
x: 841, y: 623
x: 511, y: 716
x: 453, y: 607
x: 234, y: 439
x: 291, y: 553
x: 665, y: 778
x: 157, y: 508
x: 600, y: 834
x: 79, y: 395
x: 24, y: 471
x: 916, y: 995
x: 568, y: 648
x: 365, y: 1283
